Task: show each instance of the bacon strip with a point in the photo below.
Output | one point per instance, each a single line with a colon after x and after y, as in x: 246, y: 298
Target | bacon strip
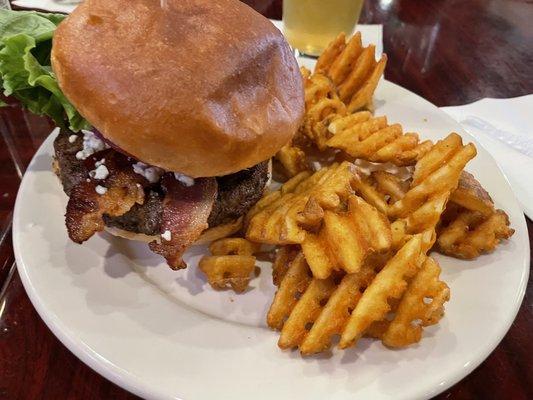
x: 85, y: 208
x: 185, y: 213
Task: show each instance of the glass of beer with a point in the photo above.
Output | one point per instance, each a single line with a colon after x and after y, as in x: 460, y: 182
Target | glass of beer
x: 310, y: 25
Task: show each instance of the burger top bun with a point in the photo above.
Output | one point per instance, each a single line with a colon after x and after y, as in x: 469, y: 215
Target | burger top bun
x: 200, y: 87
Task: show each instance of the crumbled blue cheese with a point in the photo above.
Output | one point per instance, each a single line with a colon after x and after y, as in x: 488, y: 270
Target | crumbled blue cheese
x: 101, y: 172
x: 151, y: 173
x: 100, y: 189
x: 91, y: 144
x: 72, y: 138
x: 186, y: 180
x: 167, y: 235
x: 98, y: 163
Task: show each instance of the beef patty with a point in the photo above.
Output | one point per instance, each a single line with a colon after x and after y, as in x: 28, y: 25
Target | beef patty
x: 237, y: 192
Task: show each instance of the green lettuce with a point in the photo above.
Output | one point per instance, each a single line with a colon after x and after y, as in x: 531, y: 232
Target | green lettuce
x: 25, y: 71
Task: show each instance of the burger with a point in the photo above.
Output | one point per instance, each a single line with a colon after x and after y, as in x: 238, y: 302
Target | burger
x: 183, y: 104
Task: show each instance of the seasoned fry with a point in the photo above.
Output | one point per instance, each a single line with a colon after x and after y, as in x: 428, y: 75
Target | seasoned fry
x: 293, y: 160
x: 322, y: 105
x: 436, y: 173
x: 390, y: 283
x: 330, y: 54
x: 471, y: 195
x: 471, y: 234
x: 284, y: 257
x: 318, y: 117
x: 372, y: 139
x: 362, y: 97
x: 231, y: 264
x: 346, y: 239
x: 233, y: 246
x: 355, y: 235
x: 423, y: 301
x: 344, y: 81
x: 353, y: 69
x: 284, y: 216
x: 305, y: 312
x: 335, y: 314
x: 393, y: 305
x: 224, y: 271
x: 292, y: 286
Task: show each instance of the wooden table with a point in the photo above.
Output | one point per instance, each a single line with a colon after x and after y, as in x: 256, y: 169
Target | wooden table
x: 448, y: 51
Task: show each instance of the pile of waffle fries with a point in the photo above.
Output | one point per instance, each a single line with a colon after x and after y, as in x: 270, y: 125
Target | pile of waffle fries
x: 352, y: 227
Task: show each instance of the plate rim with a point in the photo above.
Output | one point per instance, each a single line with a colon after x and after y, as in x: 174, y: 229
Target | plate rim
x: 136, y: 385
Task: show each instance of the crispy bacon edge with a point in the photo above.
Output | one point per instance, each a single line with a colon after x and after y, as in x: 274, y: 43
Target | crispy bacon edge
x: 85, y: 208
x: 186, y: 210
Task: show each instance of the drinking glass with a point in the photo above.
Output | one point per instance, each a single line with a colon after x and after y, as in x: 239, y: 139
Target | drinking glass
x: 310, y: 25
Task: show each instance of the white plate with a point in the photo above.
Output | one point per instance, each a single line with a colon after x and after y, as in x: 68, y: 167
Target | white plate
x: 166, y: 334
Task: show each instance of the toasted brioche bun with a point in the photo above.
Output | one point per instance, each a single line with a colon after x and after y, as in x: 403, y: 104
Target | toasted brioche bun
x: 200, y: 87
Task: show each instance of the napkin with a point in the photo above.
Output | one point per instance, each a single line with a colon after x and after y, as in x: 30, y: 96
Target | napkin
x: 62, y: 6
x: 504, y: 128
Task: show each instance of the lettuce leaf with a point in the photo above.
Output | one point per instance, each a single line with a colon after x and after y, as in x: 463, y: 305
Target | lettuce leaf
x: 25, y: 71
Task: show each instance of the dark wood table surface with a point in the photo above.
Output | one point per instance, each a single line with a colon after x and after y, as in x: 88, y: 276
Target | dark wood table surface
x: 449, y: 51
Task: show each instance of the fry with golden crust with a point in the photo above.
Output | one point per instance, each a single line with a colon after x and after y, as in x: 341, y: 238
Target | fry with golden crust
x: 422, y: 305
x: 470, y: 233
x: 231, y: 264
x: 293, y: 160
x: 224, y: 271
x: 471, y: 225
x: 284, y: 257
x: 335, y: 314
x: 394, y: 305
x: 353, y: 69
x: 390, y: 283
x: 373, y: 139
x: 293, y: 284
x: 346, y: 239
x: 285, y: 215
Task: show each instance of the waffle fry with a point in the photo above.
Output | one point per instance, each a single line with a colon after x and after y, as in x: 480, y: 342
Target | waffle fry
x: 322, y: 105
x: 306, y: 311
x: 390, y: 283
x: 437, y: 172
x: 318, y: 87
x: 284, y: 257
x: 293, y: 284
x: 332, y: 320
x: 353, y: 69
x: 306, y: 73
x: 356, y: 304
x: 373, y: 139
x: 422, y: 305
x: 282, y: 217
x: 471, y: 195
x: 302, y: 301
x: 464, y: 223
x: 231, y: 264
x: 233, y: 246
x: 471, y: 225
x: 346, y: 239
x: 224, y: 271
x: 293, y: 160
x: 317, y: 119
x: 470, y: 233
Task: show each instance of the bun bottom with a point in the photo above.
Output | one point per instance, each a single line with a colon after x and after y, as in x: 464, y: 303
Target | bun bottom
x: 209, y: 235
